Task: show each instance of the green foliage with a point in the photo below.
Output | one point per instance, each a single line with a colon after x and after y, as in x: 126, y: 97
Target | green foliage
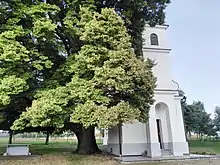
x: 21, y: 60
x: 28, y: 51
x: 57, y: 59
x: 110, y: 84
x: 106, y: 67
x: 217, y: 118
x: 46, y: 111
x: 198, y: 120
x: 135, y: 15
x: 10, y: 85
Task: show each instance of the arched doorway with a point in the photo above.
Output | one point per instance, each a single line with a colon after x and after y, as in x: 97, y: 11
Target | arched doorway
x: 163, y: 125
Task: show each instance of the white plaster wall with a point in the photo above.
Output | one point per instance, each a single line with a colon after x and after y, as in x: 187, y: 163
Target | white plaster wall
x: 161, y: 113
x: 152, y: 129
x: 175, y: 115
x: 134, y: 133
x: 162, y: 69
x: 138, y: 137
x: 168, y: 99
x: 153, y: 149
x: 159, y: 54
x: 134, y: 139
x: 161, y: 33
x: 179, y: 131
x: 113, y: 135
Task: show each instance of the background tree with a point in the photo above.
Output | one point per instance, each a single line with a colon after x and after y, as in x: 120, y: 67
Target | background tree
x: 217, y: 118
x: 189, y: 118
x: 198, y: 120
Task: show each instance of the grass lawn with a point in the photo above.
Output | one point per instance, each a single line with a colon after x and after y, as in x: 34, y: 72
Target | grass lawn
x: 205, y: 146
x: 67, y: 159
x: 59, y: 152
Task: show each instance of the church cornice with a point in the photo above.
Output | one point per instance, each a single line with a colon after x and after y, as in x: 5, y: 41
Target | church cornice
x: 166, y: 91
x: 164, y: 26
x: 148, y: 49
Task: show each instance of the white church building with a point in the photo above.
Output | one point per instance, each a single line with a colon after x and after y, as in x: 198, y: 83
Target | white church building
x: 164, y: 133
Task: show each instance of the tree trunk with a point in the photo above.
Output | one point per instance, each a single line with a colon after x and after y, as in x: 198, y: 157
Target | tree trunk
x: 77, y: 133
x: 190, y: 135
x: 10, y: 137
x: 186, y: 136
x: 47, y: 138
x: 87, y: 142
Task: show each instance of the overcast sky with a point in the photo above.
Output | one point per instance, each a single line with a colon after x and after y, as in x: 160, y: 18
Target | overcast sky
x: 194, y: 36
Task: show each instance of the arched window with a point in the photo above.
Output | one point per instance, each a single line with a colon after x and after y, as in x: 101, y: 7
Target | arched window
x: 154, y: 39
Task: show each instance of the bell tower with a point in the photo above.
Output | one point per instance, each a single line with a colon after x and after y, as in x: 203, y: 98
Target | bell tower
x: 163, y: 134
x: 155, y: 48
x: 166, y: 114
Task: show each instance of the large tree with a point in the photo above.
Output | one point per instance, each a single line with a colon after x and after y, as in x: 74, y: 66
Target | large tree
x: 39, y: 42
x: 110, y: 84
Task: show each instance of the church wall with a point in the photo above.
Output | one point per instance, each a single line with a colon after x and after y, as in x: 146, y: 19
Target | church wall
x: 177, y: 143
x: 140, y: 132
x: 162, y: 69
x: 113, y: 141
x: 161, y: 36
x: 138, y: 138
x: 178, y: 120
x: 134, y: 140
x: 163, y: 114
x: 160, y: 54
x: 153, y: 148
x: 180, y: 146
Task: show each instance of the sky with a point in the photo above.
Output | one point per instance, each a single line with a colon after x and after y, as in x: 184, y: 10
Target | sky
x: 194, y: 36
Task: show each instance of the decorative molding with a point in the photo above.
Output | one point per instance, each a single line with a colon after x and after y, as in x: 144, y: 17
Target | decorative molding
x: 153, y: 49
x: 166, y: 91
x: 164, y: 26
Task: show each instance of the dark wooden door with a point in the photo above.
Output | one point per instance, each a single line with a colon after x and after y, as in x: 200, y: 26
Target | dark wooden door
x: 159, y: 132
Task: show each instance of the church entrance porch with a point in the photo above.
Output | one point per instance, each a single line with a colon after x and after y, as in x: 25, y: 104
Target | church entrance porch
x: 159, y: 132
x: 163, y: 134
x: 163, y: 128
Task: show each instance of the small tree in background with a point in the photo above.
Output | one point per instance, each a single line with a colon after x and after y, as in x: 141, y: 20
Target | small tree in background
x: 198, y: 120
x: 217, y: 118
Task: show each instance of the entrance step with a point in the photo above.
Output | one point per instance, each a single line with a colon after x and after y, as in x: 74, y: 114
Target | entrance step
x: 166, y: 152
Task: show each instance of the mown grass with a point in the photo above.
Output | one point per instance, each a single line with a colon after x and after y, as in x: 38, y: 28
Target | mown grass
x: 37, y: 146
x: 59, y: 152
x: 212, y: 147
x: 94, y: 160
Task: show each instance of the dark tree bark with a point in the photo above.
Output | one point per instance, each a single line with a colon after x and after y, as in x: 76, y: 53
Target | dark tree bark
x: 86, y: 138
x: 87, y: 142
x: 47, y: 138
x: 10, y: 137
x: 77, y: 133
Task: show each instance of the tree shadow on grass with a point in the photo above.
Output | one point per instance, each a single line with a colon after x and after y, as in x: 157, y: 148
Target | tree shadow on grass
x: 52, y: 148
x: 91, y: 159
